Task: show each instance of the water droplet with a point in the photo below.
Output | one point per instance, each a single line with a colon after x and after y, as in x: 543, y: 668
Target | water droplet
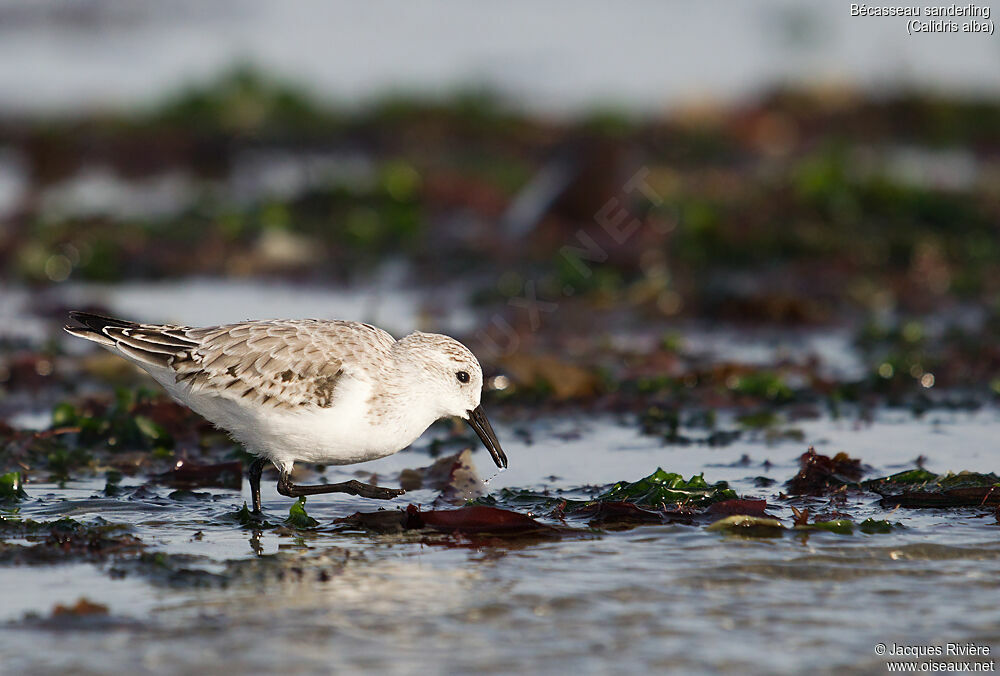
x: 495, y: 474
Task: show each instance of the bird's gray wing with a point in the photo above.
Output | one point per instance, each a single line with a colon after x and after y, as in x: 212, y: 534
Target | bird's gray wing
x: 280, y: 363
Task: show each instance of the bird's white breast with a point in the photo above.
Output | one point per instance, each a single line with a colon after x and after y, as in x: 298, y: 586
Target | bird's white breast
x: 343, y: 433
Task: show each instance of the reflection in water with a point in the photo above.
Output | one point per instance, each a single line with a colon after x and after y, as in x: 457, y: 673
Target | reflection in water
x: 255, y: 543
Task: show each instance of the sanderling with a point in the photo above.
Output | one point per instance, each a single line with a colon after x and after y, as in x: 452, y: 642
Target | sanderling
x: 333, y: 392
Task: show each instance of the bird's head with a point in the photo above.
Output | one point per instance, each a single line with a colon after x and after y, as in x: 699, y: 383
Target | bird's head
x: 451, y: 379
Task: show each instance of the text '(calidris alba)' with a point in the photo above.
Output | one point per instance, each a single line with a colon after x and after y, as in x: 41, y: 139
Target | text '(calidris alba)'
x: 333, y: 392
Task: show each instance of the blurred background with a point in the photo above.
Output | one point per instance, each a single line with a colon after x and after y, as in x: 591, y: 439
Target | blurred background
x: 425, y: 166
x: 694, y: 235
x: 428, y: 166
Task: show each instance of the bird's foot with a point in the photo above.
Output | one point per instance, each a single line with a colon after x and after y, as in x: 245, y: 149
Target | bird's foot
x: 353, y: 487
x: 374, y: 492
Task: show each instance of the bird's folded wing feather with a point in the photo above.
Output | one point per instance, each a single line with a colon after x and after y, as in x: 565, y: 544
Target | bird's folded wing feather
x: 273, y: 363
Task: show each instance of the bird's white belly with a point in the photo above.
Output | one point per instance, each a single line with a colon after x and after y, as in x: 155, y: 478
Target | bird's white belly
x: 339, y: 435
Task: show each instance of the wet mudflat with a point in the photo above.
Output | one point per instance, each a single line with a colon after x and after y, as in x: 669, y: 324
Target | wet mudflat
x: 208, y: 593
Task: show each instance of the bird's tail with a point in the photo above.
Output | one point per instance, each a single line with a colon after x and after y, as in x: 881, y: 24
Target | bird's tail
x: 94, y: 327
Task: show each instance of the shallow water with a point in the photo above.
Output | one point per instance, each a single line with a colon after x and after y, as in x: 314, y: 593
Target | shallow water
x: 664, y: 597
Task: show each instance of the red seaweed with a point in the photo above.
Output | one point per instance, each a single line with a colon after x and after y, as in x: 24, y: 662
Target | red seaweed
x: 820, y: 474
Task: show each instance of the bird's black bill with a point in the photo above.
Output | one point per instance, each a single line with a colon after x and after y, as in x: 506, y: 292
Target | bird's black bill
x: 478, y: 421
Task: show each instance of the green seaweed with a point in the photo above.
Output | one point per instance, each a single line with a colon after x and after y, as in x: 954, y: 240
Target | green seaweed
x: 524, y: 499
x: 754, y: 526
x: 665, y: 422
x: 872, y: 526
x: 64, y: 540
x: 966, y: 479
x: 64, y: 414
x: 244, y: 100
x: 244, y: 517
x: 930, y: 482
x: 763, y: 384
x: 663, y: 487
x: 118, y: 426
x: 59, y: 458
x: 911, y: 476
x: 154, y: 432
x: 297, y: 517
x: 11, y: 487
x: 748, y: 526
x: 918, y: 488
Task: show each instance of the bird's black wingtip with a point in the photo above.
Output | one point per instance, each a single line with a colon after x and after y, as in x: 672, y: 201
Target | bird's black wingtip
x: 95, y: 321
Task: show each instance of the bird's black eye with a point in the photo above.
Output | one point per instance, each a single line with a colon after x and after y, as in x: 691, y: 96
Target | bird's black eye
x: 463, y: 376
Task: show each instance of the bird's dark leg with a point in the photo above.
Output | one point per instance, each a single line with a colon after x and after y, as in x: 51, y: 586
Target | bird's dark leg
x: 253, y: 472
x: 287, y: 488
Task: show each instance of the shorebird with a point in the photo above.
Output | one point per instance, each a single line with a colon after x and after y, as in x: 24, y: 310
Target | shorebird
x: 333, y: 392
